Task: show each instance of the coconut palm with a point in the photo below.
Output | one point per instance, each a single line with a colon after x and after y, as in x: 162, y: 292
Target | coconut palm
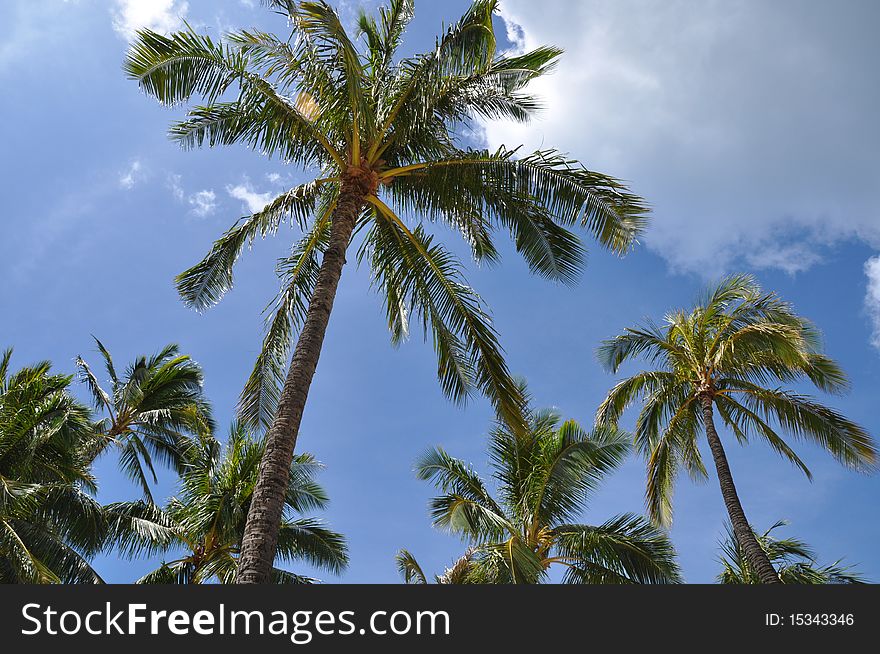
x: 793, y: 560
x: 202, y: 526
x: 49, y: 521
x: 546, y: 475
x: 379, y: 137
x: 151, y: 412
x: 733, y: 353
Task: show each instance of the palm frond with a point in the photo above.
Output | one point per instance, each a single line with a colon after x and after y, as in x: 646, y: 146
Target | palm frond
x: 204, y: 284
x: 625, y: 549
x: 409, y: 568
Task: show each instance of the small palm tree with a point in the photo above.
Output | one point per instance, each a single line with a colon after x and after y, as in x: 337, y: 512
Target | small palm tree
x: 545, y: 475
x: 205, y: 522
x: 49, y: 521
x: 730, y: 354
x: 793, y: 560
x: 151, y: 412
x: 379, y: 137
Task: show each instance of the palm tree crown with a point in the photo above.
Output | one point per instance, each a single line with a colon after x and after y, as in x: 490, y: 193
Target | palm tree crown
x: 382, y: 128
x: 732, y: 353
x: 793, y: 559
x: 204, y: 523
x: 49, y: 521
x: 545, y: 474
x: 152, y: 411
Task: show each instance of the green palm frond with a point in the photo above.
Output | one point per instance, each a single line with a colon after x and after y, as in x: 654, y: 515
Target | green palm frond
x: 409, y: 568
x: 466, y: 505
x: 803, y: 418
x: 625, y: 549
x: 561, y: 190
x: 205, y: 283
x: 306, y: 539
x: 425, y: 279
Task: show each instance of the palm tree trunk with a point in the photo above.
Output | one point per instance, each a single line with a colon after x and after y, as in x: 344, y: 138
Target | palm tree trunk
x: 754, y: 554
x: 264, y: 517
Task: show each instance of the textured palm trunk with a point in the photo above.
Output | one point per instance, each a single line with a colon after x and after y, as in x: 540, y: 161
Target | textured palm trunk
x: 264, y: 517
x: 753, y: 552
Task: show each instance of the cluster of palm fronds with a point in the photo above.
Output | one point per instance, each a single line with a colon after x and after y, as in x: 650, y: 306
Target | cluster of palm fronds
x: 51, y: 525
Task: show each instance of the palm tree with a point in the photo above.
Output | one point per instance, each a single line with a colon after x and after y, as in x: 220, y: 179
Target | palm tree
x: 546, y: 475
x: 380, y: 134
x: 49, y: 521
x: 793, y: 560
x: 204, y: 524
x: 731, y: 353
x: 151, y: 412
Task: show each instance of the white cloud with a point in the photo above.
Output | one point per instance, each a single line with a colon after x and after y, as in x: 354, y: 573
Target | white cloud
x: 252, y: 200
x: 202, y: 203
x: 872, y: 297
x: 174, y: 183
x: 748, y: 126
x: 158, y: 15
x: 132, y: 175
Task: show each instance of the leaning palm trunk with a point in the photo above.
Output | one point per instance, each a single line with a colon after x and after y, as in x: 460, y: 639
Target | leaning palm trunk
x: 752, y: 550
x: 261, y: 533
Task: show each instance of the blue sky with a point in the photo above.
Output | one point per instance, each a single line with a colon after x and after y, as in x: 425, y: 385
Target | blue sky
x: 748, y: 126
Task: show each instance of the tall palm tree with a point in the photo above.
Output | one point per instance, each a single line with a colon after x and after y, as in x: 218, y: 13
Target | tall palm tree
x: 793, y: 560
x: 380, y: 135
x: 152, y: 411
x: 202, y: 526
x: 546, y: 475
x: 49, y: 521
x: 731, y: 354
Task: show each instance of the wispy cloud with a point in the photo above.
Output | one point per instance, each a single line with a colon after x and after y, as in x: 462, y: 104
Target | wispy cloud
x: 872, y: 297
x: 174, y: 183
x: 201, y: 203
x: 158, y: 15
x: 132, y: 175
x: 250, y: 198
